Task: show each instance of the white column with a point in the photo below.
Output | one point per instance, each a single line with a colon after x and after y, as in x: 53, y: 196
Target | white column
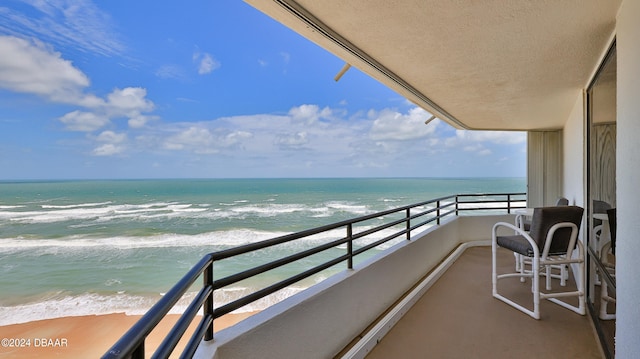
x: 628, y: 182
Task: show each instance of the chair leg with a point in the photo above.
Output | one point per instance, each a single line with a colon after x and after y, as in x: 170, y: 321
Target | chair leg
x: 548, y: 276
x: 494, y: 282
x: 605, y: 299
x: 535, y: 268
x: 580, y: 293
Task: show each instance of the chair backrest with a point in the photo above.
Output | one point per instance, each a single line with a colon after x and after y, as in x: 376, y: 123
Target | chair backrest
x: 546, y: 217
x: 561, y: 201
x: 599, y: 207
x: 611, y: 213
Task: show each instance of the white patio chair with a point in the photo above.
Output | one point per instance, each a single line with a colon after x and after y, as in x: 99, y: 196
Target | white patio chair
x: 550, y: 242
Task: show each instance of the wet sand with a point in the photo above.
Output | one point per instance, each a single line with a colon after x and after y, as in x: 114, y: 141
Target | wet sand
x: 85, y: 336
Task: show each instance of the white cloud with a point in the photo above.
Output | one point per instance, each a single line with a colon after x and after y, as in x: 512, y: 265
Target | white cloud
x: 498, y: 137
x: 286, y: 57
x: 108, y: 149
x: 194, y: 138
x: 171, y: 72
x: 389, y: 125
x: 234, y: 138
x: 112, y: 143
x: 292, y: 140
x: 377, y: 142
x: 84, y: 121
x: 112, y: 137
x: 139, y: 121
x: 78, y: 24
x: 130, y: 99
x: 309, y: 114
x: 477, y: 149
x: 34, y: 68
x: 130, y: 103
x: 206, y: 63
x: 201, y: 138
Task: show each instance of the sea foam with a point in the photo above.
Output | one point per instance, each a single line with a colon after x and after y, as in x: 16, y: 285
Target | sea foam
x: 98, y: 304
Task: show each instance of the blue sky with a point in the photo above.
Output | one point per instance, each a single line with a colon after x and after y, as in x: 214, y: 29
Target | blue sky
x: 207, y: 89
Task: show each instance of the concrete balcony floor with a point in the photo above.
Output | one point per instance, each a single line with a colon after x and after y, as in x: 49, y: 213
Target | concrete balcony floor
x: 459, y: 318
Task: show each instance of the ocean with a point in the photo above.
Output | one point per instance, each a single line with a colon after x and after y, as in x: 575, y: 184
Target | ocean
x: 71, y: 248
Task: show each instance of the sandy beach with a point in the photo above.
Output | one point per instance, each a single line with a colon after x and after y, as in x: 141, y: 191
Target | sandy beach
x: 85, y: 336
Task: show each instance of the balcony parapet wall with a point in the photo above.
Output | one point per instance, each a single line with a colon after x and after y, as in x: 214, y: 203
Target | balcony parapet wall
x: 322, y: 320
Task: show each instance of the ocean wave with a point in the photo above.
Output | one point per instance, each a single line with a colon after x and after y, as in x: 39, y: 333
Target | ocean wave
x: 214, y: 240
x: 80, y: 205
x: 349, y: 207
x: 10, y: 207
x: 108, y: 211
x: 101, y: 214
x: 234, y: 237
x: 59, y: 305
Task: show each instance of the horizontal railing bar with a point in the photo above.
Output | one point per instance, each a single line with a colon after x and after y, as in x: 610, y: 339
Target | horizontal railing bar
x: 169, y: 343
x: 424, y: 213
x: 394, y: 235
x: 480, y: 200
x: 377, y: 229
x: 491, y: 194
x: 379, y: 242
x: 197, y: 336
x: 293, y: 236
x: 447, y: 205
x: 397, y: 234
x: 484, y: 199
x: 230, y: 307
x: 488, y: 208
x: 223, y: 282
x: 141, y: 329
x: 442, y: 215
x: 416, y: 226
x: 484, y: 202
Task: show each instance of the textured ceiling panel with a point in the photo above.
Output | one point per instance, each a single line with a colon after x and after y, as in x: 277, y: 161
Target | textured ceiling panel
x: 494, y: 64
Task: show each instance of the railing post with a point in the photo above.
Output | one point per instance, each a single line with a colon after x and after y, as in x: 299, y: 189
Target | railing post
x: 509, y: 204
x: 408, y: 223
x: 438, y: 212
x: 350, y: 245
x: 208, y: 304
x: 138, y: 353
x: 457, y: 206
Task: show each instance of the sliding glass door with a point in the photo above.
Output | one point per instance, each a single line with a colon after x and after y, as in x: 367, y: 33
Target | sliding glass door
x: 601, y: 199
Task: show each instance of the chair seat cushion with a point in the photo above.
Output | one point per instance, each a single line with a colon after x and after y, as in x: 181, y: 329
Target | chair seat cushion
x: 516, y: 243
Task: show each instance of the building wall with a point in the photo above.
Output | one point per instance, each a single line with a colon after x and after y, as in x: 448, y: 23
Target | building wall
x: 574, y: 162
x: 628, y: 181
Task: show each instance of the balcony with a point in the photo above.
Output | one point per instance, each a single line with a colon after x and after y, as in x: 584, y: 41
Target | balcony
x: 458, y: 318
x: 428, y: 294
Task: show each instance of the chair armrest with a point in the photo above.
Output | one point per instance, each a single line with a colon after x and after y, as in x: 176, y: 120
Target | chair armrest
x: 597, y: 232
x: 552, y: 231
x: 519, y: 231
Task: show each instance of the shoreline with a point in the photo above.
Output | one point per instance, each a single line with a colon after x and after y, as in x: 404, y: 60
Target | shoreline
x: 88, y: 336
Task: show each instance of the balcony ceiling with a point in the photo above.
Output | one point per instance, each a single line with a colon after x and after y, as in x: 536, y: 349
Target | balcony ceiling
x: 496, y: 64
